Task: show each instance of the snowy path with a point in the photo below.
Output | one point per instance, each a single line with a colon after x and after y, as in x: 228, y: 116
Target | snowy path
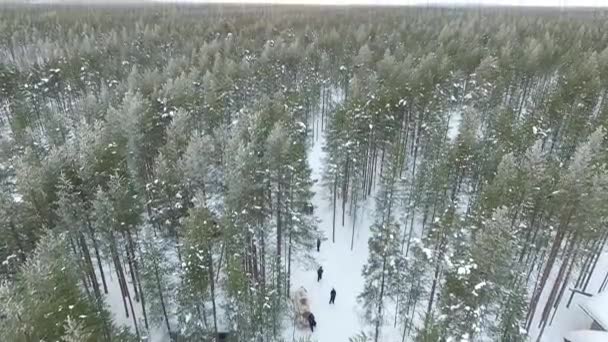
x: 335, y: 323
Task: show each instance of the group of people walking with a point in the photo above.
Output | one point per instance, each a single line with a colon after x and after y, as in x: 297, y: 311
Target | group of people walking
x: 332, y: 294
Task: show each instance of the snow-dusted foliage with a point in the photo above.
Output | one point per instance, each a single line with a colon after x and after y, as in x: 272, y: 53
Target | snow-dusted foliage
x: 184, y: 169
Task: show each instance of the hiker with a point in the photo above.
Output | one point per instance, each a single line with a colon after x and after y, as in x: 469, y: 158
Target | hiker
x: 332, y: 296
x: 319, y: 273
x: 318, y: 244
x: 311, y: 322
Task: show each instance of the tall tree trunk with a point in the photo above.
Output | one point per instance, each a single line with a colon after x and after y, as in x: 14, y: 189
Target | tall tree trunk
x: 565, y: 284
x: 352, y: 238
x: 120, y: 280
x: 279, y: 239
x: 123, y: 279
x: 161, y: 297
x: 322, y: 106
x: 372, y: 171
x: 89, y: 265
x: 366, y: 167
x: 219, y: 264
x: 177, y: 247
x: 557, y: 242
x: 345, y: 189
x: 130, y: 258
x: 380, y: 301
x: 532, y: 227
x: 333, y: 224
x: 287, y: 290
x: 137, y: 274
x: 97, y: 255
x: 82, y: 271
x: 554, y: 289
x: 409, y: 237
x: 523, y: 98
x: 429, y: 307
x: 597, y: 258
x: 212, y: 287
x: 439, y: 258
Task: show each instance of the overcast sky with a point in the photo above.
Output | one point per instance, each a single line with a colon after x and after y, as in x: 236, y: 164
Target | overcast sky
x: 544, y: 3
x: 554, y: 3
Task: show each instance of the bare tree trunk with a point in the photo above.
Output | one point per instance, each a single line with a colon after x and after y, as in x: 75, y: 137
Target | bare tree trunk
x: 532, y: 227
x: 279, y: 239
x: 130, y: 258
x: 212, y: 287
x: 161, y: 297
x: 556, y: 285
x: 82, y: 271
x: 289, y: 234
x: 219, y: 264
x: 323, y: 91
x: 287, y: 290
x: 409, y: 237
x: 352, y: 238
x: 345, y: 189
x: 597, y: 258
x: 137, y: 274
x: 373, y: 170
x: 89, y: 265
x: 126, y: 293
x: 438, y: 269
x: 177, y: 247
x: 523, y: 98
x: 557, y: 242
x: 97, y: 255
x: 120, y: 281
x: 333, y: 225
x: 429, y: 307
x: 380, y: 302
x: 411, y: 321
x: 563, y: 288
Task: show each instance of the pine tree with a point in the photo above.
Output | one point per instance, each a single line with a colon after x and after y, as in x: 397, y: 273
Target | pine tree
x: 381, y: 272
x: 116, y: 214
x: 156, y: 278
x: 199, y: 274
x: 412, y: 287
x: 74, y: 332
x: 46, y: 296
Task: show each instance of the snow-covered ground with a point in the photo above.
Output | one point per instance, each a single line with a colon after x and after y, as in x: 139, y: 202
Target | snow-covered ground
x: 573, y: 318
x: 113, y: 299
x: 342, y: 266
x: 455, y: 118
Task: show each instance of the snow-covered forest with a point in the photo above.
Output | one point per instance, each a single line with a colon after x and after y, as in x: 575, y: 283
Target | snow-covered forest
x: 167, y: 172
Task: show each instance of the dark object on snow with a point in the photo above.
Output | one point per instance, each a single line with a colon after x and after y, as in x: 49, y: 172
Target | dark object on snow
x: 332, y: 296
x: 309, y: 208
x: 223, y: 336
x: 319, y: 273
x: 318, y: 245
x: 302, y: 309
x: 311, y: 322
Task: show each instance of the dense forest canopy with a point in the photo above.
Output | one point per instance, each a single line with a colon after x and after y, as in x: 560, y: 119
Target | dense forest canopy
x: 162, y: 151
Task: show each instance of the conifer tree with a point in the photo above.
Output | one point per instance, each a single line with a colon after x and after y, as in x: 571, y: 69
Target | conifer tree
x: 46, y: 301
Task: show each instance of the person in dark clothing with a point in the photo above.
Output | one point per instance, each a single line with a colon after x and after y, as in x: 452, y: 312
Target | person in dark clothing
x: 319, y: 273
x: 311, y: 322
x: 318, y: 244
x: 332, y: 296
